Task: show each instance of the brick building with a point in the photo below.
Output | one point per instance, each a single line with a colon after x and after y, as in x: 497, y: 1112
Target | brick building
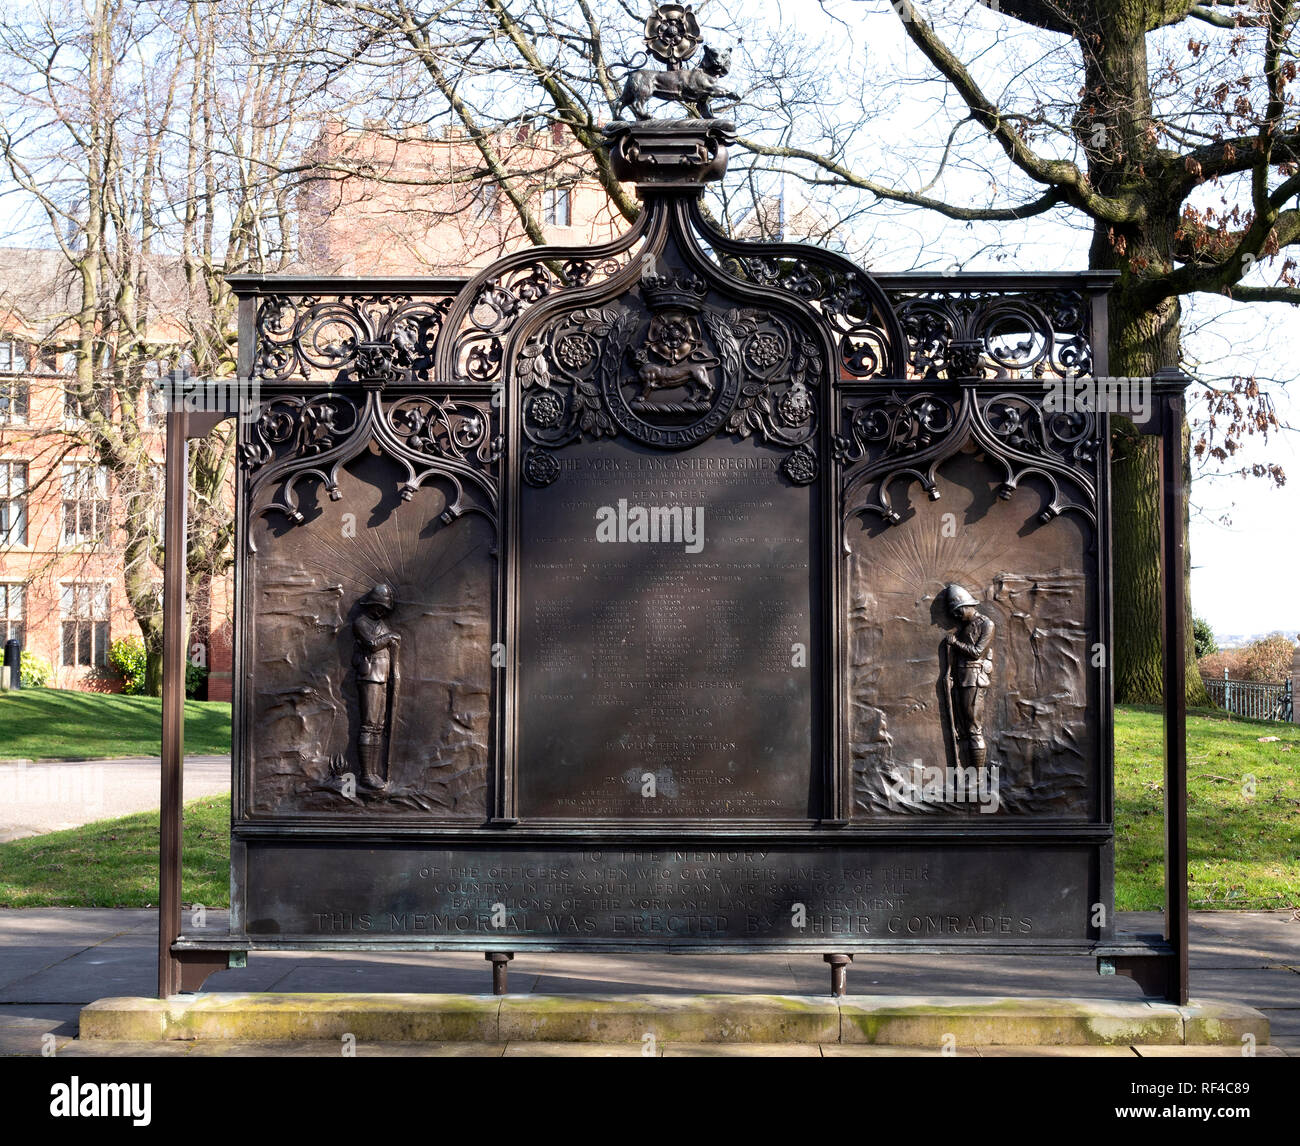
x: 421, y: 205
x: 416, y: 207
x: 61, y: 586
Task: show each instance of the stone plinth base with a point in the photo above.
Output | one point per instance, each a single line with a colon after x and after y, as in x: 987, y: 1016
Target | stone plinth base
x: 883, y: 1020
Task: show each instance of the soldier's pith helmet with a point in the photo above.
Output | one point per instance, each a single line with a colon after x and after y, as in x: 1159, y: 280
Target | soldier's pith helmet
x: 381, y: 595
x: 957, y: 597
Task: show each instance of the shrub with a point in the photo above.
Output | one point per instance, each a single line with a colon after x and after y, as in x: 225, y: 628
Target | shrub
x: 34, y: 671
x: 127, y: 657
x: 1203, y: 636
x: 196, y: 681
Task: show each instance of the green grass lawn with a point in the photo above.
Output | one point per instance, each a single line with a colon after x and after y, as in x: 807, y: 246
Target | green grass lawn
x: 1243, y: 845
x: 114, y: 863
x: 59, y: 724
x: 1244, y: 849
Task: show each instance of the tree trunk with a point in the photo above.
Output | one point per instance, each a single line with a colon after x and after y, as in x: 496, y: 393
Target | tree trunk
x: 1144, y: 336
x: 153, y: 663
x: 1135, y: 495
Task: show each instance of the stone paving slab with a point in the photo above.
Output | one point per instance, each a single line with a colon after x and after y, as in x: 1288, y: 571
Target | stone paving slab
x: 1284, y: 1030
x: 1229, y: 938
x: 272, y: 1017
x: 964, y: 1021
x: 124, y: 1048
x: 1222, y: 1024
x: 741, y: 1050
x: 1206, y: 1052
x: 335, y: 1049
x: 1278, y: 988
x: 1058, y: 1052
x: 61, y: 1020
x: 73, y: 925
x: 528, y: 1049
x: 30, y: 1044
x: 862, y: 1050
x: 693, y: 1018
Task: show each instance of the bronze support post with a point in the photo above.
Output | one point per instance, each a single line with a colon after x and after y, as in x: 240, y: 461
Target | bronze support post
x: 1173, y: 573
x: 839, y: 973
x: 173, y: 701
x: 500, y: 970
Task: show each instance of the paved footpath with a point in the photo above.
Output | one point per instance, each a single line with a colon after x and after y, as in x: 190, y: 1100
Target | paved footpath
x: 53, y: 961
x: 47, y: 796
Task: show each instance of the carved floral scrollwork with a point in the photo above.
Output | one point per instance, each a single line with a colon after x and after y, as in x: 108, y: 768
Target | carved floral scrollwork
x: 909, y: 436
x: 500, y: 302
x: 987, y: 334
x: 346, y: 337
x: 854, y: 308
x: 557, y: 372
x: 669, y: 376
x: 445, y: 429
x: 1026, y: 427
x: 898, y: 425
x: 843, y: 296
x: 300, y: 427
x: 540, y: 467
x: 783, y: 370
x: 433, y: 438
x: 800, y: 465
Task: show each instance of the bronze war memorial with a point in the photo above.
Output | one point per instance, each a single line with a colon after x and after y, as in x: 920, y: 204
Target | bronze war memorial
x: 683, y: 593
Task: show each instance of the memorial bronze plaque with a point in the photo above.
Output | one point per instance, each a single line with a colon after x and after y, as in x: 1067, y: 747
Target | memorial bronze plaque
x: 669, y: 655
x: 1028, y: 648
x: 656, y: 895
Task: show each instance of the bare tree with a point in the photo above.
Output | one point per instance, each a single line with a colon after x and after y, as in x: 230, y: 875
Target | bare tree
x: 1169, y: 130
x: 158, y: 142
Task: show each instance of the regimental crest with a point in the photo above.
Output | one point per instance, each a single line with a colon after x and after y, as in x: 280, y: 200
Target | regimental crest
x: 671, y: 374
x: 669, y: 369
x: 675, y: 365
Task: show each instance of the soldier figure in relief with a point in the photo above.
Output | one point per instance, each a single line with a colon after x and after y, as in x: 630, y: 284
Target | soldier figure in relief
x: 375, y: 660
x: 969, y: 670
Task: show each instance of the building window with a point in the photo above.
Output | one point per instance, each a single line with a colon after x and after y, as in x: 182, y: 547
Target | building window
x: 13, y: 358
x: 11, y: 613
x: 557, y: 206
x: 145, y: 497
x: 85, y: 502
x: 485, y: 200
x: 155, y: 406
x: 15, y: 397
x: 76, y: 411
x: 13, y: 503
x: 83, y: 612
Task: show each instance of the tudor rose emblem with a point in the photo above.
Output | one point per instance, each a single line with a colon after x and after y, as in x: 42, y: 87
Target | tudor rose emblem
x: 671, y: 386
